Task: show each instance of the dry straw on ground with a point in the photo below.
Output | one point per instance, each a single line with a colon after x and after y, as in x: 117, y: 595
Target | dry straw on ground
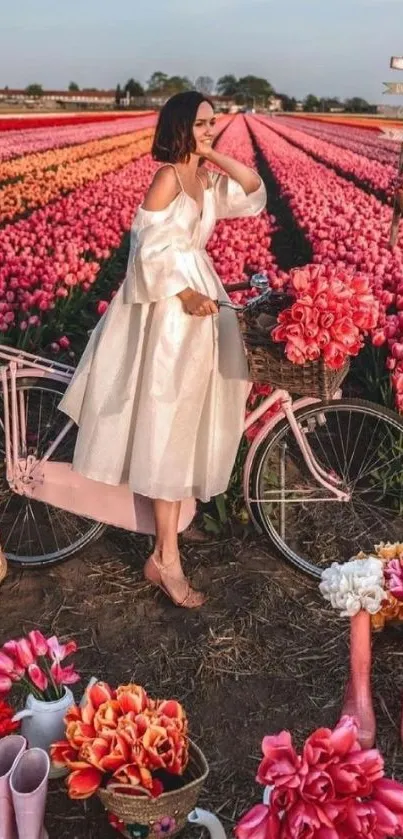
x: 266, y: 653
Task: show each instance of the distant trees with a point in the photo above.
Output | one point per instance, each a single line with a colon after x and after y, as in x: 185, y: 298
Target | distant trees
x: 164, y: 85
x: 311, y: 103
x: 248, y: 90
x: 357, y: 105
x: 227, y: 85
x: 34, y: 89
x: 204, y: 84
x: 133, y: 87
x: 289, y: 103
x: 73, y: 87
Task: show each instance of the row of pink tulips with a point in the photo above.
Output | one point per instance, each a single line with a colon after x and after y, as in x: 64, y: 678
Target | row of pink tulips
x: 373, y: 174
x: 359, y: 140
x: 237, y: 244
x: 346, y: 227
x: 30, y: 141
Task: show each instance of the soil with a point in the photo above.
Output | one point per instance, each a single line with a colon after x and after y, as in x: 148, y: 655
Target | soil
x: 265, y: 653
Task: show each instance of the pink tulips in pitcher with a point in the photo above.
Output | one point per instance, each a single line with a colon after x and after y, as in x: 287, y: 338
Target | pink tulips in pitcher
x: 36, y: 664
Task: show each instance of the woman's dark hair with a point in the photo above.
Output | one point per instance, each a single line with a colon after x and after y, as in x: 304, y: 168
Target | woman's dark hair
x: 174, y: 141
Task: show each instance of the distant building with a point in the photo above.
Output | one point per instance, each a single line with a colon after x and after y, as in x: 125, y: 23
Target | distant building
x: 79, y: 97
x: 299, y: 106
x: 104, y: 98
x: 275, y: 104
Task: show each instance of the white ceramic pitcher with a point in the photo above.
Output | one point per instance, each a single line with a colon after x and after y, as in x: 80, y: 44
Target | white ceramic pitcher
x: 43, y: 723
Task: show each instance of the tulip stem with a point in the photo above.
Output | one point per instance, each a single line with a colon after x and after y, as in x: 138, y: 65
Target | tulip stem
x: 58, y: 694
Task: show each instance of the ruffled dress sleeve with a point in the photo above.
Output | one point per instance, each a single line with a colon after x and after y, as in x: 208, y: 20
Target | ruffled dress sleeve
x: 154, y: 269
x: 231, y: 200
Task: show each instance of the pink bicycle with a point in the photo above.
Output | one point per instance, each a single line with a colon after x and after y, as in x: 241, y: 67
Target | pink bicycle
x: 321, y: 479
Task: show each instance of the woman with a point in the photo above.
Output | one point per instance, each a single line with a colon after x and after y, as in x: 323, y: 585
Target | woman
x: 159, y: 394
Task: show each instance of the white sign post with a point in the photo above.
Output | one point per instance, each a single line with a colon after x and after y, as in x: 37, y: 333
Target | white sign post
x: 396, y: 88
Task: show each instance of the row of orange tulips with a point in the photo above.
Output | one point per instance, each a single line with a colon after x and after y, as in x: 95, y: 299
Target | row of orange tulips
x: 32, y: 192
x: 39, y: 161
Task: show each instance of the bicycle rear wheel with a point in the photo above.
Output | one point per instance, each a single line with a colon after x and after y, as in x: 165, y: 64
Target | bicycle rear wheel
x: 32, y: 532
x: 363, y: 444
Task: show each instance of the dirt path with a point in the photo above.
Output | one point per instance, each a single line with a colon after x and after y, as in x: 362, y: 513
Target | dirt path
x: 264, y: 654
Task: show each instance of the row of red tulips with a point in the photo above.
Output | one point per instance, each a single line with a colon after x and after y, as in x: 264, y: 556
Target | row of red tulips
x: 378, y: 176
x: 18, y: 143
x: 346, y: 227
x: 52, y: 121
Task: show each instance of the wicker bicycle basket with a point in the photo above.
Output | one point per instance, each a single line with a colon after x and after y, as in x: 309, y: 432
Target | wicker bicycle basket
x: 166, y: 815
x: 267, y: 361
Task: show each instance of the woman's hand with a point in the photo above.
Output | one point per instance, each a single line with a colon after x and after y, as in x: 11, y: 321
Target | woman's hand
x: 195, y: 303
x: 248, y: 179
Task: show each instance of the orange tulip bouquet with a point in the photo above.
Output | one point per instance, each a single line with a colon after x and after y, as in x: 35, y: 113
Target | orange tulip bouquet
x: 134, y: 752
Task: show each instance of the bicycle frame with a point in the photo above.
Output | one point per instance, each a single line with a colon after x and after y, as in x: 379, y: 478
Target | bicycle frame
x: 287, y: 410
x: 54, y: 482
x: 57, y: 484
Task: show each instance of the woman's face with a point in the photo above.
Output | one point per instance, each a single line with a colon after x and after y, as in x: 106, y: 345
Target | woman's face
x: 204, y: 128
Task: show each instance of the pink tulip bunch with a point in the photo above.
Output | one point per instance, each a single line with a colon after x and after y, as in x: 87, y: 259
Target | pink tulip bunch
x: 332, y: 312
x: 333, y: 789
x: 35, y: 663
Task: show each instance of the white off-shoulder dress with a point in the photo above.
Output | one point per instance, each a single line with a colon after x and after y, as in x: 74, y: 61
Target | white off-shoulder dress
x: 159, y: 395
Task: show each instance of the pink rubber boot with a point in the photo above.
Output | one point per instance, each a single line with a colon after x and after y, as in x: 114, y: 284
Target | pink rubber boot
x: 29, y: 786
x: 358, y: 698
x: 11, y: 749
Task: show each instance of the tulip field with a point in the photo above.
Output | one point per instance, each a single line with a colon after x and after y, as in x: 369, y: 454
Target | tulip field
x: 69, y: 188
x: 256, y: 659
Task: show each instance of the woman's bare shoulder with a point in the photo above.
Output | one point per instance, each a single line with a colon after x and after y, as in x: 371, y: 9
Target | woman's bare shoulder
x: 163, y: 190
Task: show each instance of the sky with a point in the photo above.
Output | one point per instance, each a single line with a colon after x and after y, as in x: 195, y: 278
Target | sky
x: 326, y: 47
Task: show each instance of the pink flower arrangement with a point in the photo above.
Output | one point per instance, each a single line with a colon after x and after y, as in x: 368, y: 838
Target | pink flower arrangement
x: 333, y: 310
x: 35, y: 663
x: 333, y: 789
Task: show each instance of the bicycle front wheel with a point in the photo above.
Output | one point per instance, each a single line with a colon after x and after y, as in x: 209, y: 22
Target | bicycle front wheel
x: 361, y: 443
x: 32, y: 532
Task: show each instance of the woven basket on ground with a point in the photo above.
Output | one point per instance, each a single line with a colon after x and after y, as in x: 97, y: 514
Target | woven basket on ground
x: 166, y: 815
x: 3, y: 566
x: 268, y: 363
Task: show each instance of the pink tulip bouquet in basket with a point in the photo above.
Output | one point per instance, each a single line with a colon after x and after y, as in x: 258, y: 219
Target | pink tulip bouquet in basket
x: 333, y: 310
x: 332, y: 789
